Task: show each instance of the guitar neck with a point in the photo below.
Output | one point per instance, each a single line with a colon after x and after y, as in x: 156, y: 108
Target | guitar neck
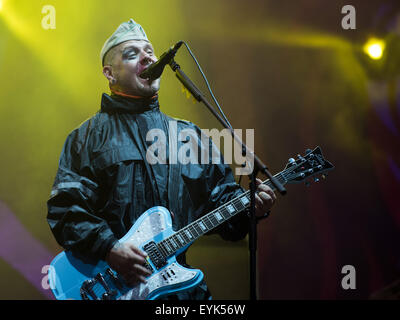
x: 211, y: 220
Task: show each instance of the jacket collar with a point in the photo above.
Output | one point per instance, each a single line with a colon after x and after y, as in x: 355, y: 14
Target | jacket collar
x: 117, y: 103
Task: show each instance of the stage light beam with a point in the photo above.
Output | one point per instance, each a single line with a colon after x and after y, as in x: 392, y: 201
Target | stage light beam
x: 374, y: 48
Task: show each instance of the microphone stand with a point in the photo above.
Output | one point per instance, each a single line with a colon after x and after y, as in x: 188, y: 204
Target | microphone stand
x: 259, y: 166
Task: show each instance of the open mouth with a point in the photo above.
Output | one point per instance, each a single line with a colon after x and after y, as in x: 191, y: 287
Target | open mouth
x: 141, y: 70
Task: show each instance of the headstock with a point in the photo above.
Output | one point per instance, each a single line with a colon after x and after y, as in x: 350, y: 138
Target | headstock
x: 311, y: 164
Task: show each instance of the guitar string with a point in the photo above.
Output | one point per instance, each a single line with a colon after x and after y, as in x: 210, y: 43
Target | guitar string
x: 282, y: 176
x: 234, y: 201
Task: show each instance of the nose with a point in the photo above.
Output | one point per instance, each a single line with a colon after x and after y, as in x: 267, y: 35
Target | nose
x: 147, y: 58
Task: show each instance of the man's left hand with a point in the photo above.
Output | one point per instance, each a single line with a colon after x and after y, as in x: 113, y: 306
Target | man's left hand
x: 265, y: 198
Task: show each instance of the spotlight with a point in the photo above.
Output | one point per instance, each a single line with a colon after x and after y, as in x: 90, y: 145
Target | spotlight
x: 374, y: 48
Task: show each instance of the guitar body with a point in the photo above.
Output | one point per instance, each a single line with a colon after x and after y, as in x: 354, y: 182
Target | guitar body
x: 71, y: 277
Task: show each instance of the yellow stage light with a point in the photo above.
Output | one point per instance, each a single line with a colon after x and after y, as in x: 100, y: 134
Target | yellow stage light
x: 374, y: 48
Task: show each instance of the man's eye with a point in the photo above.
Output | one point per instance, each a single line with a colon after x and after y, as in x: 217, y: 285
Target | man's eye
x: 130, y: 56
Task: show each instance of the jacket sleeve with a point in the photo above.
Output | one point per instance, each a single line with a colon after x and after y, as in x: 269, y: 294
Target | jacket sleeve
x: 72, y: 207
x: 223, y: 188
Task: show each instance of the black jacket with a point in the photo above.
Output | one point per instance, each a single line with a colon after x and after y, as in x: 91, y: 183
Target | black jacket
x: 103, y: 184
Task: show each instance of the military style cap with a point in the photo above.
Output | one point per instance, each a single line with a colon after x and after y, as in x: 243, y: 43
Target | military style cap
x: 126, y: 31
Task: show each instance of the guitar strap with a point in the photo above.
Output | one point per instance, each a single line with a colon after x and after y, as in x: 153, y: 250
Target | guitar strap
x: 174, y: 167
x: 141, y: 133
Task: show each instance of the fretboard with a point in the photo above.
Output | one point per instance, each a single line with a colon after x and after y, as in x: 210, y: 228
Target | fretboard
x: 210, y: 221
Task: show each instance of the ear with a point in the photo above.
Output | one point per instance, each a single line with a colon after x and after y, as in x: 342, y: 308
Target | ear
x: 108, y: 73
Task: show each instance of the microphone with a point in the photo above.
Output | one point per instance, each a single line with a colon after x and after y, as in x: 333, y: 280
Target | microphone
x: 155, y: 70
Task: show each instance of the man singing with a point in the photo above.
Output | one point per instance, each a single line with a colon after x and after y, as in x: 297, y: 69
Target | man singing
x: 104, y: 182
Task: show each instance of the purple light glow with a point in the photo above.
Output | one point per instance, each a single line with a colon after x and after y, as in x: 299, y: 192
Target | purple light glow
x: 22, y: 251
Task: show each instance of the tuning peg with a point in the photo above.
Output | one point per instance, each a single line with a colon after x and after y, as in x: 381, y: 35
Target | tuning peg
x: 291, y: 162
x: 300, y: 157
x: 308, y: 151
x: 316, y: 179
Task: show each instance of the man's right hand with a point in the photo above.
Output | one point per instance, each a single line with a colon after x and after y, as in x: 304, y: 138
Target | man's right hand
x: 128, y: 260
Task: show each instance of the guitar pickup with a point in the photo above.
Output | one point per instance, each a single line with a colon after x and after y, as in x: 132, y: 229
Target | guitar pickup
x: 155, y: 255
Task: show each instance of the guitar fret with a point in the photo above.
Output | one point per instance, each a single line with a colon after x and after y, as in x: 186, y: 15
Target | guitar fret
x: 162, y: 249
x: 166, y: 250
x: 193, y: 230
x: 230, y: 208
x: 202, y: 225
x: 188, y: 233
x: 213, y: 219
x: 167, y: 246
x: 197, y: 228
x: 181, y: 240
x: 224, y: 212
x: 239, y: 205
x: 244, y: 200
x: 173, y: 243
x: 218, y: 216
x: 184, y: 236
x: 207, y: 222
x: 176, y: 239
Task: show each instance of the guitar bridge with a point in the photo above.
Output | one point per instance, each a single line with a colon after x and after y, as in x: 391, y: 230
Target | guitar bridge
x: 88, y: 291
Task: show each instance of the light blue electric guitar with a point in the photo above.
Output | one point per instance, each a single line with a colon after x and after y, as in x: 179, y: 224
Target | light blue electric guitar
x: 73, y: 278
